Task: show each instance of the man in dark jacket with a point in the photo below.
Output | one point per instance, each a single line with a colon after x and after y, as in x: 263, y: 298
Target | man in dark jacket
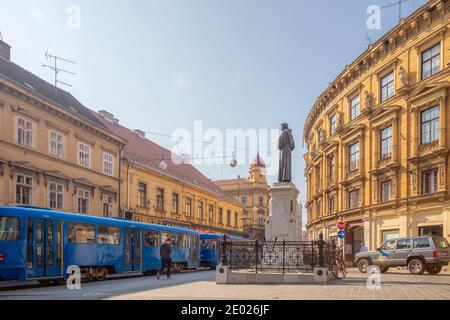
x: 165, y: 252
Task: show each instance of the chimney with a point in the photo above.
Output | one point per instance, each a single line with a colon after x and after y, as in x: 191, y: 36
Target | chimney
x: 5, y: 50
x: 108, y: 116
x: 140, y: 133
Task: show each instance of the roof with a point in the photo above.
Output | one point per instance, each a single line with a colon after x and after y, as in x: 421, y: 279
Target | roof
x: 149, y: 154
x: 32, y: 83
x: 35, y: 212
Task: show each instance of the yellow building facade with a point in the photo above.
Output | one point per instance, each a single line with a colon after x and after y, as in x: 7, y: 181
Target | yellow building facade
x: 53, y: 152
x: 378, y: 138
x: 253, y: 194
x: 158, y: 187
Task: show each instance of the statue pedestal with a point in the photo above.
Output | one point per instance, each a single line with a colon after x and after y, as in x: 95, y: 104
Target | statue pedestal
x: 284, y: 221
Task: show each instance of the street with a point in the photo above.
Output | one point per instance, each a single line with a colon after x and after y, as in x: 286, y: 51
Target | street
x: 395, y: 285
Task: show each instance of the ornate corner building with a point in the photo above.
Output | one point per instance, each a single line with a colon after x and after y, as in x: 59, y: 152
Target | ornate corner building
x: 253, y: 193
x: 378, y: 138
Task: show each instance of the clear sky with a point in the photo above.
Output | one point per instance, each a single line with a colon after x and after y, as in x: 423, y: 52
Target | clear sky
x: 161, y: 65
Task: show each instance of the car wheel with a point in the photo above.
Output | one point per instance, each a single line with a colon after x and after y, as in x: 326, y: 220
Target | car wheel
x: 384, y: 269
x: 434, y: 269
x: 363, y: 265
x: 416, y: 266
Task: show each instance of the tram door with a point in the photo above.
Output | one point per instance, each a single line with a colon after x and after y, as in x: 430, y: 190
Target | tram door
x: 132, y: 250
x: 44, y: 248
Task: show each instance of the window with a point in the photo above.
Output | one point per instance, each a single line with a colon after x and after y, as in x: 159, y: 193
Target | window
x: 319, y: 207
x: 333, y: 124
x: 152, y: 238
x: 421, y: 243
x: 167, y: 235
x: 107, y: 205
x: 108, y: 167
x: 429, y: 181
x: 189, y: 207
x: 430, y: 125
x: 108, y: 235
x: 330, y: 204
x: 220, y: 216
x: 24, y: 189
x: 142, y: 194
x: 180, y: 240
x: 228, y: 218
x: 211, y: 212
x: 388, y: 245
x: 355, y: 108
x: 331, y: 169
x: 160, y: 199
x: 386, y: 142
x: 9, y: 229
x: 437, y: 230
x: 404, y: 244
x: 84, y: 155
x: 318, y: 179
x: 431, y: 61
x: 386, y: 191
x: 81, y: 233
x: 354, y: 157
x: 387, y: 86
x: 261, y: 201
x: 56, y: 195
x: 175, y: 203
x: 244, y: 201
x: 25, y: 132
x: 235, y: 219
x: 200, y: 210
x: 353, y: 199
x: 390, y: 234
x: 83, y: 200
x: 56, y: 144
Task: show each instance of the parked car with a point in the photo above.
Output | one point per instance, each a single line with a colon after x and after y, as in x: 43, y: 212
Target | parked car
x: 418, y: 254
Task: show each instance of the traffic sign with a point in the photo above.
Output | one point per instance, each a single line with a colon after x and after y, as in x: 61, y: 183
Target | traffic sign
x: 341, y: 225
x: 341, y: 234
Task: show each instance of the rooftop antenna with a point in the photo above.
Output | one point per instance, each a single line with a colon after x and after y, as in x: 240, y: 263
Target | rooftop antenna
x: 397, y: 3
x: 56, y: 69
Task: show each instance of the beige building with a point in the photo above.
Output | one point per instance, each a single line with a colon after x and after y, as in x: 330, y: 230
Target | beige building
x: 53, y: 152
x: 253, y: 194
x: 378, y: 138
x: 156, y: 189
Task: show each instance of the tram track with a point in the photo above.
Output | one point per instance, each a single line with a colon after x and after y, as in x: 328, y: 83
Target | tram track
x: 35, y: 284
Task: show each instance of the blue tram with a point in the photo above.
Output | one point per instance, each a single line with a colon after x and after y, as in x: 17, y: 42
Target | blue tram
x: 210, y: 248
x: 40, y: 244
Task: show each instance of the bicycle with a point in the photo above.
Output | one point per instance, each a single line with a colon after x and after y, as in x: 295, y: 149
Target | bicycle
x: 337, y: 266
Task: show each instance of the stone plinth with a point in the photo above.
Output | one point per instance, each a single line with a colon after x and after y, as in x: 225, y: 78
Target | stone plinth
x: 284, y: 221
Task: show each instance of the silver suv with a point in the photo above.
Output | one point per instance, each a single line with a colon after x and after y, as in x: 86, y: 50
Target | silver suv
x: 419, y: 254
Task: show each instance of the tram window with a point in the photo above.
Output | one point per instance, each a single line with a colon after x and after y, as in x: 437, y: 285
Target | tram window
x: 81, y: 233
x: 151, y: 238
x: 108, y: 235
x: 30, y: 246
x: 9, y: 229
x: 186, y: 241
x: 204, y: 244
x: 179, y: 240
x: 166, y: 235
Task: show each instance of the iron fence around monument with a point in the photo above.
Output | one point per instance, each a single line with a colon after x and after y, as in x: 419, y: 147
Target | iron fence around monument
x: 276, y: 256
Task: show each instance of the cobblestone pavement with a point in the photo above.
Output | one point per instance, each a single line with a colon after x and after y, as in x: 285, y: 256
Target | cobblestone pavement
x: 395, y: 285
x: 398, y: 285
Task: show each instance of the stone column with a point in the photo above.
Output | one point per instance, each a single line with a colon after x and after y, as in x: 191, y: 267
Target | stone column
x: 395, y: 140
x: 414, y: 132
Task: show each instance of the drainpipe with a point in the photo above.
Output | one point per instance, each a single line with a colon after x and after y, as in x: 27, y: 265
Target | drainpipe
x: 120, y: 183
x: 128, y: 185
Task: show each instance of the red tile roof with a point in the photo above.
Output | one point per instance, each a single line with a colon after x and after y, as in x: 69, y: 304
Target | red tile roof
x: 149, y: 154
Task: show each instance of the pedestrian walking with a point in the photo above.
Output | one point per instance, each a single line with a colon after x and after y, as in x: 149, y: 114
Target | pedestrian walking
x: 165, y: 252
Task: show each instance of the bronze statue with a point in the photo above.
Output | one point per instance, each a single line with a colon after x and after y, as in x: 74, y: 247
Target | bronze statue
x: 286, y: 145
